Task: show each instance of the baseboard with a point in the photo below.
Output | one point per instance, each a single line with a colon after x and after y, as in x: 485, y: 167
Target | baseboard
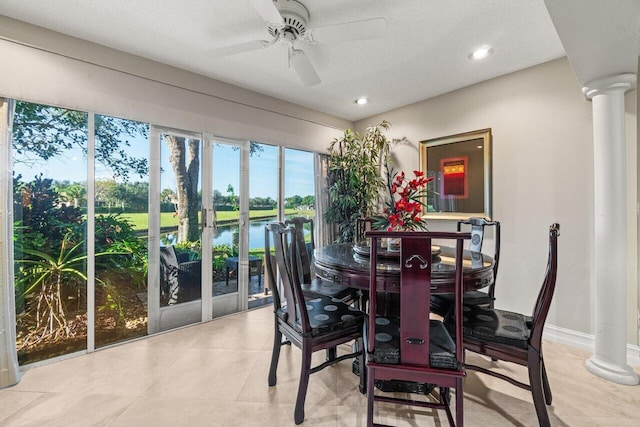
x: 585, y: 342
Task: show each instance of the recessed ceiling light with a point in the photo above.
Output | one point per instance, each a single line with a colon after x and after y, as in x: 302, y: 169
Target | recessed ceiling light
x: 481, y: 53
x: 362, y: 101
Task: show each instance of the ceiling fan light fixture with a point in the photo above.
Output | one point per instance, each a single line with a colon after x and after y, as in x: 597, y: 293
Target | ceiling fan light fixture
x: 362, y: 100
x: 295, y: 17
x: 481, y: 53
x: 287, y: 22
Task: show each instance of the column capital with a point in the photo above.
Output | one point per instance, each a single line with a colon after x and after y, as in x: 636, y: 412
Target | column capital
x: 612, y: 83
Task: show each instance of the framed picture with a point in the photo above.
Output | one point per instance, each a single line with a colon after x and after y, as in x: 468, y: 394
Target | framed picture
x: 461, y: 169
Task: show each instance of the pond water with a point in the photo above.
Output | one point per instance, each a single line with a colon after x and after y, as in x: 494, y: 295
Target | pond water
x: 225, y: 234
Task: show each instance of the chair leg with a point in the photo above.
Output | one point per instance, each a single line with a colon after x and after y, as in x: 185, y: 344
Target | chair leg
x: 370, y: 397
x: 332, y: 353
x: 305, y: 371
x: 535, y: 379
x: 459, y: 403
x: 545, y: 384
x: 361, y: 363
x: 361, y: 300
x: 444, y: 396
x: 275, y: 355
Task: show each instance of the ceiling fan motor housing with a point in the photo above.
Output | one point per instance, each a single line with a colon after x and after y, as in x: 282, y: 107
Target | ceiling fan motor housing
x: 295, y: 16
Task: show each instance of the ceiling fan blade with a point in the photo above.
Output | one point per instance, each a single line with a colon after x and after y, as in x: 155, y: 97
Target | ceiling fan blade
x: 303, y: 68
x: 237, y: 48
x: 268, y: 11
x: 357, y: 30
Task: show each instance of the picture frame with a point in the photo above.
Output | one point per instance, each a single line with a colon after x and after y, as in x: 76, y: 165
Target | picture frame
x: 461, y: 168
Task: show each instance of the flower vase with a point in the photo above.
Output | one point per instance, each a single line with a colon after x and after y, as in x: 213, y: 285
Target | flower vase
x: 393, y: 244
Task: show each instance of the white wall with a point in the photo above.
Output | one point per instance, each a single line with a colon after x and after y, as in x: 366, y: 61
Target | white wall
x: 50, y: 68
x: 542, y: 173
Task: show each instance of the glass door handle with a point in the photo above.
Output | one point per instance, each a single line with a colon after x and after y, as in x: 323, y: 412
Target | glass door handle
x: 208, y: 219
x: 204, y: 218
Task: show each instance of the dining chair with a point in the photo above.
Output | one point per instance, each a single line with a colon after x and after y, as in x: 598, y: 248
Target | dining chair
x: 312, y: 325
x: 441, y: 304
x: 514, y: 337
x: 362, y: 226
x: 409, y: 346
x: 312, y: 286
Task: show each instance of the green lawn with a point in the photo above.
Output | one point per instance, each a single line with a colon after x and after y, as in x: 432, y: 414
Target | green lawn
x: 139, y: 221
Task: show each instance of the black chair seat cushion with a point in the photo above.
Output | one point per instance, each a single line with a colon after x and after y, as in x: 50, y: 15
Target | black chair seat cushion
x: 441, y: 303
x: 475, y: 298
x: 494, y: 325
x: 325, y: 288
x: 387, y: 343
x: 327, y: 315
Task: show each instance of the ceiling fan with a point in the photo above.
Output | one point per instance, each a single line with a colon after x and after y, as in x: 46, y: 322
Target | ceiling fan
x: 287, y: 22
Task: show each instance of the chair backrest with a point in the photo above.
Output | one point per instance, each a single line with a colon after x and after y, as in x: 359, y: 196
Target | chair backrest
x: 477, y: 238
x: 285, y: 249
x: 362, y: 226
x: 269, y: 262
x: 304, y: 250
x: 543, y: 302
x: 416, y: 274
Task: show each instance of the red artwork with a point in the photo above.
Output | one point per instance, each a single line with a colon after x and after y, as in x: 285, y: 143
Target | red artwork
x: 454, y: 177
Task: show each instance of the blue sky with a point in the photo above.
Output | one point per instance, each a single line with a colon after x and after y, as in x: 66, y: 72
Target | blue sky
x: 299, y: 174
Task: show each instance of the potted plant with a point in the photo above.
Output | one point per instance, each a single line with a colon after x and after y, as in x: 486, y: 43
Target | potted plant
x: 354, y: 177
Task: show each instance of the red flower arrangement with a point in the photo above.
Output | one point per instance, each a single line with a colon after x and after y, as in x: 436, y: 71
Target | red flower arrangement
x: 404, y: 205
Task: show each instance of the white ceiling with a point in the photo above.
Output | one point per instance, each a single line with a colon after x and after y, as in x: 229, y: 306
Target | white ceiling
x: 424, y: 53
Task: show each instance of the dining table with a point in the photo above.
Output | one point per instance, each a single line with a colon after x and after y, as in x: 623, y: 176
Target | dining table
x: 349, y: 264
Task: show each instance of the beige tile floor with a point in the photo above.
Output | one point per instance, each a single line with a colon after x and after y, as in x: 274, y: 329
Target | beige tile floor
x: 215, y: 374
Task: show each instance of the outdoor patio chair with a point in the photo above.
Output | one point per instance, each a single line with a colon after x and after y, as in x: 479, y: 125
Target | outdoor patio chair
x: 180, y: 279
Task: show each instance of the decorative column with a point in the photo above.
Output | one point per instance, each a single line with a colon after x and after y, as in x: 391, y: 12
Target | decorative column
x: 610, y: 206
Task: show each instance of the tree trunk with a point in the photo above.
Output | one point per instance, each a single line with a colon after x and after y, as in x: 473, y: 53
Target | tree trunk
x: 186, y: 170
x: 193, y: 205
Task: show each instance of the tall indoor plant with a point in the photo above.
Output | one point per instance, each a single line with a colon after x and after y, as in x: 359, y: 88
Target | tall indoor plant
x: 354, y: 177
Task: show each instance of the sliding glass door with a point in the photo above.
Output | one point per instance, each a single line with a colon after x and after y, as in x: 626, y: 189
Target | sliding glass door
x: 122, y: 229
x: 263, y: 209
x: 176, y: 264
x: 50, y: 230
x: 80, y: 201
x: 198, y: 262
x: 233, y: 271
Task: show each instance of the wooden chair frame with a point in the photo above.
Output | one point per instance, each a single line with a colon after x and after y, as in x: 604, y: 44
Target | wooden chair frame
x: 295, y: 325
x: 415, y: 326
x: 531, y: 357
x: 304, y: 258
x: 441, y: 304
x: 313, y: 286
x: 477, y: 229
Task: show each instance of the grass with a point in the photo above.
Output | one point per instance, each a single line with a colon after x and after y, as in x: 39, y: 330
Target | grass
x: 139, y: 221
